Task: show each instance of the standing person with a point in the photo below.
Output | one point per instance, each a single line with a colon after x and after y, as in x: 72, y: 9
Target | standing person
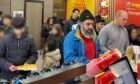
x: 7, y: 23
x: 114, y: 35
x: 1, y: 13
x: 17, y: 48
x: 73, y: 20
x: 100, y: 23
x: 133, y: 35
x: 45, y: 31
x: 47, y: 27
x: 82, y: 45
x: 57, y: 35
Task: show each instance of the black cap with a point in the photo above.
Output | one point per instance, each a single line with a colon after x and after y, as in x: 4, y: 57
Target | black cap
x: 18, y: 22
x: 86, y: 14
x: 99, y: 19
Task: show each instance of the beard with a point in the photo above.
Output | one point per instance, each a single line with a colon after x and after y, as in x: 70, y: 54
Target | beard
x: 87, y: 33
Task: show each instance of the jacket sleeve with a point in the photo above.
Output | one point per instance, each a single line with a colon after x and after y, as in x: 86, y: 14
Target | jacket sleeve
x: 4, y: 64
x: 70, y: 52
x: 33, y: 54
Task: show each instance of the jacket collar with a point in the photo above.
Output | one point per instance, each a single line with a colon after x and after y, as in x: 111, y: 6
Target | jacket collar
x: 23, y: 36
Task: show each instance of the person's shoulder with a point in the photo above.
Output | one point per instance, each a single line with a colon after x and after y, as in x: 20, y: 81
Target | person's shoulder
x: 29, y: 36
x: 70, y: 34
x: 5, y: 39
x: 105, y: 28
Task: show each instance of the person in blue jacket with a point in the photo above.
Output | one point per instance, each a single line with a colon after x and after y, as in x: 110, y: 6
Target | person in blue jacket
x: 82, y: 44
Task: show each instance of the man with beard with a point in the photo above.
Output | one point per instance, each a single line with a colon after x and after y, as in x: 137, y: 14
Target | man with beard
x: 16, y: 48
x: 72, y: 21
x: 82, y: 45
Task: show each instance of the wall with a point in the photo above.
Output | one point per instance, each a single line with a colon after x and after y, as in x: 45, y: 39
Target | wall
x: 48, y: 9
x: 18, y: 5
x: 111, y: 9
x: 89, y: 4
x: 5, y: 6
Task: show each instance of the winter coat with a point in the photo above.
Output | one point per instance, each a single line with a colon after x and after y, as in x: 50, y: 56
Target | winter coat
x: 16, y: 52
x: 51, y: 59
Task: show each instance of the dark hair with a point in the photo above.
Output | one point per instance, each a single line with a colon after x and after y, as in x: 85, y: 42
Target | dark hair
x: 129, y: 29
x: 99, y: 19
x: 51, y: 44
x: 18, y: 22
x: 1, y: 13
x: 75, y: 9
x: 48, y: 20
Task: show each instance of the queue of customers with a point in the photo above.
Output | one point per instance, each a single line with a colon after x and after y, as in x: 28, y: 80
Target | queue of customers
x: 79, y: 40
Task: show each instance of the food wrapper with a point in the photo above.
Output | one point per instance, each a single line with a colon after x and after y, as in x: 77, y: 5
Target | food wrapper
x: 27, y: 67
x: 105, y: 78
x: 98, y: 65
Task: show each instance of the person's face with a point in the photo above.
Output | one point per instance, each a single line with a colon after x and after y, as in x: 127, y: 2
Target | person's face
x: 88, y: 26
x: 76, y: 14
x: 134, y: 34
x: 19, y: 32
x: 51, y: 22
x: 54, y: 31
x: 122, y: 19
x: 99, y: 25
x: 7, y: 22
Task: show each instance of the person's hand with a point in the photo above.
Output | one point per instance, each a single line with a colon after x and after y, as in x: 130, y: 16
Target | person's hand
x: 12, y: 68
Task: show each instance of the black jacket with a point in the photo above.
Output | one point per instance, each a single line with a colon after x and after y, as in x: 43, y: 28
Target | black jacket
x: 68, y: 25
x: 45, y: 32
x: 16, y: 52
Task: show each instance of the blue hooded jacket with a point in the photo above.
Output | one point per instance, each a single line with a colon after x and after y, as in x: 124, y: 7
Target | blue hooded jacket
x: 74, y: 49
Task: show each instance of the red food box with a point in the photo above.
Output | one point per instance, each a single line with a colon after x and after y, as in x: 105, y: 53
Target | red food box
x: 138, y: 71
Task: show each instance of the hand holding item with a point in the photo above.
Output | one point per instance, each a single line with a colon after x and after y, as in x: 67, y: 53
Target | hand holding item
x: 12, y: 68
x: 27, y: 67
x: 98, y: 65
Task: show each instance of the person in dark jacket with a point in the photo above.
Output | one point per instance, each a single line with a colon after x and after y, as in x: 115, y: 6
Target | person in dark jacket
x: 17, y: 48
x: 72, y: 21
x: 99, y: 24
x: 47, y: 27
x: 57, y: 35
x: 7, y: 23
x: 1, y: 13
x: 133, y: 35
